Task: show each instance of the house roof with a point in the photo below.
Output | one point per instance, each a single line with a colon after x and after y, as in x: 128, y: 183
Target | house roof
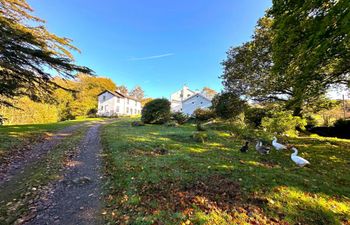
x: 118, y: 94
x: 182, y: 89
x: 111, y: 92
x: 191, y: 91
x: 200, y: 94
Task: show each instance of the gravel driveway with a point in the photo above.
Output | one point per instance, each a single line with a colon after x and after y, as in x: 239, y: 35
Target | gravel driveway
x: 75, y: 199
x: 35, y: 152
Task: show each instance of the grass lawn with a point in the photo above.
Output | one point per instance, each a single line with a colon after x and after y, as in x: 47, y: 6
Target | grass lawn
x: 18, y: 135
x: 213, y: 183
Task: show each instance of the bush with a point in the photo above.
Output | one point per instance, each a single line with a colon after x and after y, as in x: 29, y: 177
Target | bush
x: 203, y: 114
x: 239, y: 129
x: 92, y: 113
x: 342, y: 125
x: 137, y: 124
x: 156, y: 111
x: 310, y: 121
x: 254, y: 116
x: 199, y: 136
x: 30, y: 112
x: 200, y: 127
x: 172, y: 123
x: 179, y: 117
x: 283, y: 123
x: 228, y: 105
x: 340, y: 129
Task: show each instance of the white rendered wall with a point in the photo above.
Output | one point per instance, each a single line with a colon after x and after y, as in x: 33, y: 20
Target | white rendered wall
x: 195, y: 102
x: 109, y: 105
x: 106, y: 104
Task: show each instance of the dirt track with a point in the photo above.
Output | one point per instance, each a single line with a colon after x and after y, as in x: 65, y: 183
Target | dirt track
x: 75, y: 199
x: 34, y: 153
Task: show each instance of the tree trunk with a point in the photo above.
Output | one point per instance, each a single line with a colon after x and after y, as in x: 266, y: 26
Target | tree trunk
x: 296, y: 104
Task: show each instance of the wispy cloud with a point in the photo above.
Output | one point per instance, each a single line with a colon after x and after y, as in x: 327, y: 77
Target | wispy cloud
x: 151, y: 57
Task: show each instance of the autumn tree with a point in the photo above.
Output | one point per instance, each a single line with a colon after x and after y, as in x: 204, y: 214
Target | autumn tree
x: 87, y: 88
x: 123, y: 89
x: 144, y: 101
x: 79, y: 100
x: 29, y: 112
x: 209, y: 92
x: 65, y: 102
x: 137, y: 93
x: 27, y: 50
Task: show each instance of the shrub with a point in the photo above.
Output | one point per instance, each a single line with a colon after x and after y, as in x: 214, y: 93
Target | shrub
x: 92, y: 113
x: 137, y: 124
x: 228, y: 105
x: 255, y: 115
x: 156, y: 111
x: 339, y: 129
x: 30, y: 112
x: 342, y: 125
x: 283, y: 123
x: 172, y: 123
x: 200, y: 136
x: 179, y: 117
x: 239, y: 129
x: 311, y: 121
x: 203, y: 114
x: 200, y: 127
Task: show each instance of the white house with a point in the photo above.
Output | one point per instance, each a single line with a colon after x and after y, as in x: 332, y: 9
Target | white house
x: 177, y: 98
x: 187, y: 101
x: 112, y: 103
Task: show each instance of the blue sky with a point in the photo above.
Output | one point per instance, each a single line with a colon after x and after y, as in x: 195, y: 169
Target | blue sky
x: 157, y: 44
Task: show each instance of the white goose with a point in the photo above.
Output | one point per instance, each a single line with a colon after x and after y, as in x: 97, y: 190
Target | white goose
x: 297, y: 159
x: 277, y: 145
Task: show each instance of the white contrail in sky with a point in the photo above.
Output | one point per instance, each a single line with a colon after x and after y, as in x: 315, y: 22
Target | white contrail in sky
x: 151, y: 57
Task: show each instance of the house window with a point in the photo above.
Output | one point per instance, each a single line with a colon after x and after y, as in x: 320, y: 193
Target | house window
x: 127, y: 109
x: 127, y: 101
x: 192, y: 102
x: 188, y: 95
x: 135, y: 103
x: 117, y: 109
x: 101, y: 108
x: 104, y: 98
x: 201, y: 103
x: 131, y: 111
x: 118, y: 100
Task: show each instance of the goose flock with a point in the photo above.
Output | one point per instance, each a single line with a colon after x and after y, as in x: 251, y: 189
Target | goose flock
x: 262, y: 149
